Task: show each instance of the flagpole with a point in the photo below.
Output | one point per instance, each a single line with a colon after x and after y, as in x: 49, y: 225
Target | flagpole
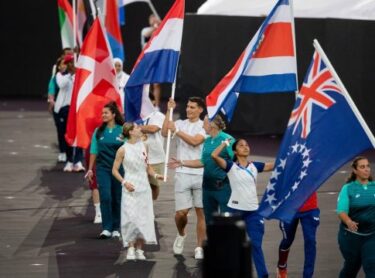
x: 74, y: 30
x: 294, y: 43
x: 169, y: 137
x: 364, y: 125
x: 153, y: 9
x: 93, y: 9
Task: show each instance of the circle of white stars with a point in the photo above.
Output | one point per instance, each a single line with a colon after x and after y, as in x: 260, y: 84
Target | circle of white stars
x: 295, y: 149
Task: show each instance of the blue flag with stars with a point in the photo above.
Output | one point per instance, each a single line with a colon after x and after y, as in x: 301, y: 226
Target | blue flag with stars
x: 325, y: 131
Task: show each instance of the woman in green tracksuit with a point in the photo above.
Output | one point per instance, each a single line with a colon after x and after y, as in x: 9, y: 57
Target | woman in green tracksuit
x: 356, y: 210
x: 104, y: 144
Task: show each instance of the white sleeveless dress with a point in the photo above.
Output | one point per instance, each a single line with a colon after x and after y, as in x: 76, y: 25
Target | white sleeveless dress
x: 137, y: 212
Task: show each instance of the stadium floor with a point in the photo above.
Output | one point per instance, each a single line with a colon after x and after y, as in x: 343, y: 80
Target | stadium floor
x: 46, y: 215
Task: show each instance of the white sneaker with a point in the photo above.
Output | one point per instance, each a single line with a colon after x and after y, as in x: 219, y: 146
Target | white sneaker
x: 139, y: 254
x: 116, y: 234
x: 131, y: 254
x: 68, y: 167
x: 78, y: 167
x: 198, y: 253
x: 98, y: 218
x: 105, y: 234
x: 178, y: 245
x: 61, y: 157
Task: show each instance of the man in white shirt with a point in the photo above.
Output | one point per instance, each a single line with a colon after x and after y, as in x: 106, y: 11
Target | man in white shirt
x: 190, y: 135
x: 155, y: 142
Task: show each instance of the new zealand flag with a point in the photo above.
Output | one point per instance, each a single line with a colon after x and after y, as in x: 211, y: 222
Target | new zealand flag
x: 324, y: 132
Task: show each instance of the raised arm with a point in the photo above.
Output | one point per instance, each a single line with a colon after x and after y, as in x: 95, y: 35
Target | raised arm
x: 215, y: 154
x: 268, y: 166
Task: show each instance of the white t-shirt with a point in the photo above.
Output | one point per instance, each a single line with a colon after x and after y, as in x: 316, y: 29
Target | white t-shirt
x: 155, y: 141
x: 65, y: 84
x: 186, y: 151
x: 243, y: 184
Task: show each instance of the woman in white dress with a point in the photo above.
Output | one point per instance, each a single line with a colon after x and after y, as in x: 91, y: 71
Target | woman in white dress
x: 137, y: 213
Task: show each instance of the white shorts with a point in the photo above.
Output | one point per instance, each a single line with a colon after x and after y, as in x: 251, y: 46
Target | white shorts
x: 188, y: 191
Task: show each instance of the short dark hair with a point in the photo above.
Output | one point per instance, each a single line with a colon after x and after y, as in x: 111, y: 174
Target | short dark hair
x: 199, y: 101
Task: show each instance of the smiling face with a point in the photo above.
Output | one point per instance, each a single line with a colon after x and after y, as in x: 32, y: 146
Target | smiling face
x: 363, y: 170
x: 242, y: 149
x: 193, y: 111
x: 107, y: 115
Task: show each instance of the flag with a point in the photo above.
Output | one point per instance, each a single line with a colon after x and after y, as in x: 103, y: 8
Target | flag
x: 112, y: 25
x: 158, y: 61
x: 94, y: 86
x: 267, y: 65
x: 126, y: 2
x: 65, y: 12
x: 325, y: 131
x: 81, y: 20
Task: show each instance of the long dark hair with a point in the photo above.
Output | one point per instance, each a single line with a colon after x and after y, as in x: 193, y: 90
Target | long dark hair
x: 354, y: 165
x: 119, y: 120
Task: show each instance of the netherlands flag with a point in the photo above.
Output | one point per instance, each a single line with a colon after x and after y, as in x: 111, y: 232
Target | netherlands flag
x: 267, y: 65
x: 157, y: 63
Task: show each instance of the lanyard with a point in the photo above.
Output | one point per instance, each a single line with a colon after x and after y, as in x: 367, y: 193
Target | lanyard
x: 246, y: 169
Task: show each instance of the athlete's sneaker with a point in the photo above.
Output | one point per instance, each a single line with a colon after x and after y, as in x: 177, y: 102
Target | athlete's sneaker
x: 105, y: 234
x: 98, y: 218
x: 198, y: 253
x: 281, y: 273
x: 116, y: 235
x: 78, y: 167
x: 178, y: 245
x: 139, y: 254
x: 131, y: 254
x: 68, y: 167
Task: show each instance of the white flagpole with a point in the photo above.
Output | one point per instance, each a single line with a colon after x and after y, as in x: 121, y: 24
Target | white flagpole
x: 294, y: 44
x: 168, y: 147
x: 345, y: 92
x: 75, y: 30
x: 153, y: 9
x: 93, y: 9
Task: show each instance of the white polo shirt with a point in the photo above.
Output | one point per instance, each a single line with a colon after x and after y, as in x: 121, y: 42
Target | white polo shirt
x: 243, y: 184
x: 186, y: 151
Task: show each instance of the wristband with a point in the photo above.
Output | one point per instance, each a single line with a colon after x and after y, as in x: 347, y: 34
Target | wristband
x: 226, y: 142
x: 175, y: 132
x: 123, y: 182
x: 156, y: 175
x: 182, y: 163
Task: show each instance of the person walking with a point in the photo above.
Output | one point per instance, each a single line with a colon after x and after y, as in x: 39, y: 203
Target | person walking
x: 190, y: 135
x: 242, y: 175
x: 105, y: 142
x: 356, y: 210
x: 137, y: 213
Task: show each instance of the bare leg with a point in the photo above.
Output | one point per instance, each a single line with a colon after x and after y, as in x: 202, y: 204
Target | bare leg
x: 201, y: 226
x: 181, y: 221
x: 95, y: 196
x: 155, y: 192
x: 139, y: 243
